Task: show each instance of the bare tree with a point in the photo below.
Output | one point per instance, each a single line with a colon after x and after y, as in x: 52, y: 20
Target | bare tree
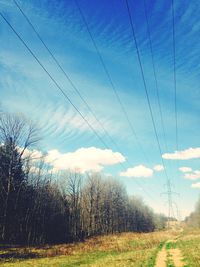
x: 38, y: 208
x: 16, y: 135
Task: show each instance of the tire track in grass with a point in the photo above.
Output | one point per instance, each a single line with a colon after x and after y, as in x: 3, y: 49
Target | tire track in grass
x: 161, y: 258
x: 169, y: 256
x: 174, y: 255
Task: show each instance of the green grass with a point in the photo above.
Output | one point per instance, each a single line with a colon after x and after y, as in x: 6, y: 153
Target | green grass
x: 189, y: 243
x: 170, y: 245
x: 169, y: 257
x: 152, y: 260
x: 96, y: 259
x: 128, y: 249
x: 191, y: 251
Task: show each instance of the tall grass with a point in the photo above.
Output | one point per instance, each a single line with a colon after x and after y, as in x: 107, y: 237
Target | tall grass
x: 126, y: 249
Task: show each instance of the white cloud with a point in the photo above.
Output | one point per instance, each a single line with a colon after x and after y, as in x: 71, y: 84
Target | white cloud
x: 190, y: 153
x: 83, y: 159
x: 185, y: 169
x: 158, y: 168
x: 192, y: 176
x: 33, y: 154
x: 34, y: 169
x: 41, y: 170
x: 137, y: 171
x: 196, y: 185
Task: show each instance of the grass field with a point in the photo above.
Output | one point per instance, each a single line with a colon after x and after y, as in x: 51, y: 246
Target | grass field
x: 189, y: 243
x: 127, y: 249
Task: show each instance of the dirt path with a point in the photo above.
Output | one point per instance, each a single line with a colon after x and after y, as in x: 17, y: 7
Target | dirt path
x: 176, y: 257
x: 161, y: 258
x: 169, y: 256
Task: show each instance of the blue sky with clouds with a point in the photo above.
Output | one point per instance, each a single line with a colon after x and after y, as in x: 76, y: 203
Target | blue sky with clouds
x: 25, y: 88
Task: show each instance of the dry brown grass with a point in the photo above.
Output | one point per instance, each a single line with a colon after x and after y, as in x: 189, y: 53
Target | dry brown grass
x: 117, y: 242
x: 116, y: 250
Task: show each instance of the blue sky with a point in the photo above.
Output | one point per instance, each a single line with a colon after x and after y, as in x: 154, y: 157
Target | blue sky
x: 25, y: 88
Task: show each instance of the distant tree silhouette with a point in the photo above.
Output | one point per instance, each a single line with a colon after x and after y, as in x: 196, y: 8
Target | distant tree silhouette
x: 38, y: 206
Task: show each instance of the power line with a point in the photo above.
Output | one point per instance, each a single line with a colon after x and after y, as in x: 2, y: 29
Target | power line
x: 63, y: 93
x: 65, y: 73
x: 170, y: 201
x: 150, y: 108
x: 144, y: 81
x: 154, y: 73
x: 68, y: 77
x: 174, y: 78
x: 54, y: 81
x: 72, y: 83
x: 110, y: 80
x: 174, y: 71
x: 155, y: 76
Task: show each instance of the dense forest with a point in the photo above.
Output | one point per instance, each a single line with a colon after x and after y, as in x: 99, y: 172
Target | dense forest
x: 39, y: 206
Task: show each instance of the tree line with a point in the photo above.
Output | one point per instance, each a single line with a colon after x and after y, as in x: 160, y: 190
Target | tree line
x: 193, y: 220
x: 38, y: 206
